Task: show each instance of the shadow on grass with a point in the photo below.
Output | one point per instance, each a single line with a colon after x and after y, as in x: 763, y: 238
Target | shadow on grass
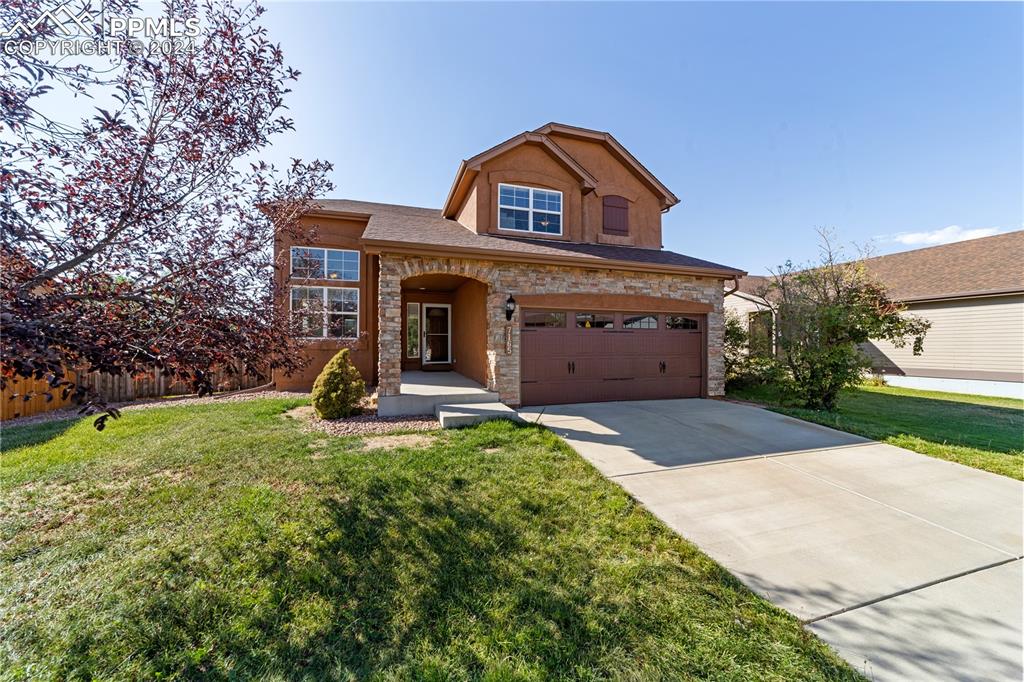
x: 417, y: 579
x: 12, y: 437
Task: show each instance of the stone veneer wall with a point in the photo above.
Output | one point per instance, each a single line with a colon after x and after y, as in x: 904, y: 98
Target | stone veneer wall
x: 523, y: 278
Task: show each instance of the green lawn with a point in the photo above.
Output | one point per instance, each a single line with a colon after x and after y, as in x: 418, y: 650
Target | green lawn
x: 979, y: 431
x: 224, y: 541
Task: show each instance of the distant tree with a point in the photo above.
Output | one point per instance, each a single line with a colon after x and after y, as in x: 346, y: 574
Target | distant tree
x: 734, y: 350
x: 141, y: 238
x: 822, y: 312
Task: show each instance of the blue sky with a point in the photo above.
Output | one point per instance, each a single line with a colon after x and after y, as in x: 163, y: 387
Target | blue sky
x: 768, y: 120
x: 896, y: 124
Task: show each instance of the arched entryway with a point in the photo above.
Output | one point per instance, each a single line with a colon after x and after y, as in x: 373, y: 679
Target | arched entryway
x: 444, y: 325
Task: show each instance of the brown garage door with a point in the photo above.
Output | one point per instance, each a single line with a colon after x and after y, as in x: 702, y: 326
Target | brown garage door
x: 582, y: 356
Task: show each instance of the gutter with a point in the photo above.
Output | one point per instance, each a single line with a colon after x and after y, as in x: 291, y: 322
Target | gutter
x: 963, y: 295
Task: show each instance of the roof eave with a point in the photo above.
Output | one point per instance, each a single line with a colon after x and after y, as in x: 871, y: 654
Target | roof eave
x: 961, y: 295
x: 450, y: 203
x: 377, y: 246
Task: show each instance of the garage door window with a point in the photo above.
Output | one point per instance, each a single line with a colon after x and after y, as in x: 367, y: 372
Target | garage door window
x: 681, y: 322
x: 536, y: 319
x: 594, y: 321
x: 640, y: 322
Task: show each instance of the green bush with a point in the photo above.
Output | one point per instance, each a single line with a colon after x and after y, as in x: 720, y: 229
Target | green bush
x: 338, y: 389
x: 743, y: 367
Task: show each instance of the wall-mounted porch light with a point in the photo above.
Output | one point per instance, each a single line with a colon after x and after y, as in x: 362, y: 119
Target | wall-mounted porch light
x: 510, y: 307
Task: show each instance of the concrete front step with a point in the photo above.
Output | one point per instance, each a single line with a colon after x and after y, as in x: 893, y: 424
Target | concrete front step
x: 452, y: 416
x: 407, y: 405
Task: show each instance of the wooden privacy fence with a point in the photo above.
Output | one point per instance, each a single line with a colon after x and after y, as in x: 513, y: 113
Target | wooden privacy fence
x: 114, y: 388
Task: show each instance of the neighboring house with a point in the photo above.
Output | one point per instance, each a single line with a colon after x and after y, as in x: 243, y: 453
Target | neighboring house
x: 563, y: 221
x: 973, y: 294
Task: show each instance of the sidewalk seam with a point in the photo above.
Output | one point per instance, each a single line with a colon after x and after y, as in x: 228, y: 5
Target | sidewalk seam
x: 871, y: 602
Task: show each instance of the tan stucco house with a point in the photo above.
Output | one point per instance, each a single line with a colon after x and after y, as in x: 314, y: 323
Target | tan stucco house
x: 542, y: 279
x: 973, y: 294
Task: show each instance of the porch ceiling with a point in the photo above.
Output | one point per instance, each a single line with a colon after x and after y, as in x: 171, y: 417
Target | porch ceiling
x: 435, y: 282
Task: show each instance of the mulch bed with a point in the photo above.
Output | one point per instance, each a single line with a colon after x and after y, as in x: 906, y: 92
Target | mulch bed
x: 364, y: 423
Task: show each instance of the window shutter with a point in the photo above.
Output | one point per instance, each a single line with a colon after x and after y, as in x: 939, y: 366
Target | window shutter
x: 616, y: 215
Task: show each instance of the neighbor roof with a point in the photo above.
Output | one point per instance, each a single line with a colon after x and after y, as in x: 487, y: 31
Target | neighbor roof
x: 411, y: 229
x: 976, y: 267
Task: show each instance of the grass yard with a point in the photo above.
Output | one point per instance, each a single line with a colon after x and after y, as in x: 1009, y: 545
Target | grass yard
x: 979, y: 431
x: 224, y: 541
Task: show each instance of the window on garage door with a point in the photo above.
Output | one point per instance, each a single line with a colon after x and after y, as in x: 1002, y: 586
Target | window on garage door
x: 682, y: 322
x: 641, y: 321
x: 595, y: 321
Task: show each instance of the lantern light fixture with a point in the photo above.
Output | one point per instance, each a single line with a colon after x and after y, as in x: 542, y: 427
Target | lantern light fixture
x: 510, y: 307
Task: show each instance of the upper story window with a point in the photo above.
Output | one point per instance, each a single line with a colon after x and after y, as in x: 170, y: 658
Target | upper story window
x: 529, y: 209
x: 315, y: 263
x: 616, y: 215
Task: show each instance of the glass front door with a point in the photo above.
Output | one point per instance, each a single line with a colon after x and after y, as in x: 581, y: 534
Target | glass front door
x: 437, y: 331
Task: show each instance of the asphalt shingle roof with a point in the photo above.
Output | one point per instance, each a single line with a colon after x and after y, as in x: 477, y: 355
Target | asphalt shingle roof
x: 427, y: 227
x: 976, y: 266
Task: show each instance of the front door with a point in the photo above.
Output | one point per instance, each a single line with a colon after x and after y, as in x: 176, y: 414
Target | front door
x: 437, y: 334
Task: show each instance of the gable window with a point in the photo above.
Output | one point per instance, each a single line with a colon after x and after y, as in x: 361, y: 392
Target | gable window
x: 315, y: 263
x: 326, y: 312
x: 616, y: 215
x: 529, y: 209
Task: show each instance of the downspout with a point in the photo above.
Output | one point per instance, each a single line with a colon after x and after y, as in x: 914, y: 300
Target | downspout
x: 736, y: 281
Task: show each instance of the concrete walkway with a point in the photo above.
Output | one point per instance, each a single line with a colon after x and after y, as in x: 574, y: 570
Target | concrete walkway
x: 908, y: 565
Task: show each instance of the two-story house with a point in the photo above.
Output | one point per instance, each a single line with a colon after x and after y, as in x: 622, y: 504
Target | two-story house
x: 542, y: 279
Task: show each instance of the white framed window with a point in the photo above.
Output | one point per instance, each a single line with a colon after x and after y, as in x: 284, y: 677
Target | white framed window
x: 529, y: 209
x: 326, y: 312
x: 310, y: 262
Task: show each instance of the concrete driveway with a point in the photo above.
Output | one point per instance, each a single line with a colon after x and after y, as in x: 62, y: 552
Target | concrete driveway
x: 908, y: 565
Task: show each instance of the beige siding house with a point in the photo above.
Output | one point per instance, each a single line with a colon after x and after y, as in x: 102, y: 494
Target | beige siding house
x: 973, y: 294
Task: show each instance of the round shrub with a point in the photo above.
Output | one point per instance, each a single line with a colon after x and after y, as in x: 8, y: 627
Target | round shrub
x: 338, y: 389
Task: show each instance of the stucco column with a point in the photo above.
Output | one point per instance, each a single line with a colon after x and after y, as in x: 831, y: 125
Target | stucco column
x: 389, y: 351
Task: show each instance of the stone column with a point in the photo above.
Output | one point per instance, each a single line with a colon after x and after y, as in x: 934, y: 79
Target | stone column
x: 506, y: 366
x: 389, y: 304
x: 716, y: 342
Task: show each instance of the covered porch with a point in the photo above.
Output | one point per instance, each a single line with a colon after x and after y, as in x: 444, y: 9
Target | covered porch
x: 443, y: 340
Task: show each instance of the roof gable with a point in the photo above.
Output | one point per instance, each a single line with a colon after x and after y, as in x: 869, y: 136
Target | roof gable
x: 469, y: 168
x: 667, y: 198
